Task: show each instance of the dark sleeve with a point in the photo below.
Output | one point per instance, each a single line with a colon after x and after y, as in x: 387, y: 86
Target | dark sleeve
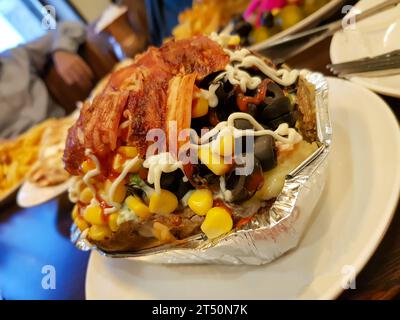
x: 162, y: 17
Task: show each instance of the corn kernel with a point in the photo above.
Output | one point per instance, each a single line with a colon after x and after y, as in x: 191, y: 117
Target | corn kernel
x: 201, y: 201
x: 75, y: 212
x: 86, y: 196
x: 94, y: 215
x: 129, y: 152
x: 162, y: 233
x: 234, y: 40
x: 136, y: 167
x: 119, y: 193
x: 226, y: 145
x: 99, y: 233
x: 81, y: 223
x: 214, y: 162
x: 118, y: 163
x: 199, y: 108
x: 112, y: 222
x: 164, y: 202
x: 138, y: 207
x: 88, y: 165
x: 217, y: 222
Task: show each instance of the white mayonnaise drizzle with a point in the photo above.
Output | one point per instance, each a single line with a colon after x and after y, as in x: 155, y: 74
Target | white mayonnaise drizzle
x: 282, y: 76
x: 240, y: 77
x: 210, y: 95
x: 185, y: 198
x: 159, y: 163
x: 225, y: 194
x: 75, y: 189
x: 128, y: 165
x: 236, y: 76
x: 92, y: 173
x: 283, y: 133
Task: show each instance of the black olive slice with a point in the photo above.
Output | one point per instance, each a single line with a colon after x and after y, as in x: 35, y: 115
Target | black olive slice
x: 242, y: 28
x: 276, y: 109
x: 169, y: 181
x: 184, y: 187
x: 243, y: 124
x: 264, y: 151
x: 289, y: 118
x: 275, y: 89
x: 235, y: 184
x: 244, y: 187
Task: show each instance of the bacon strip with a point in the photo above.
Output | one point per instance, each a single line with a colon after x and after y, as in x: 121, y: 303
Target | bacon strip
x: 101, y: 130
x: 138, y: 95
x: 179, y: 105
x: 198, y: 54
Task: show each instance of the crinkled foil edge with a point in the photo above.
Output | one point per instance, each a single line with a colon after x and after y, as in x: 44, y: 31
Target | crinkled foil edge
x: 271, y: 234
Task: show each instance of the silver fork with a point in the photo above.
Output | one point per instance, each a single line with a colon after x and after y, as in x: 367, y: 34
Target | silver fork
x: 382, y: 65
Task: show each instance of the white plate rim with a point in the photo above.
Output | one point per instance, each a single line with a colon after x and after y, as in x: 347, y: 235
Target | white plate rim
x: 360, y: 80
x: 381, y: 228
x: 54, y: 191
x: 374, y: 242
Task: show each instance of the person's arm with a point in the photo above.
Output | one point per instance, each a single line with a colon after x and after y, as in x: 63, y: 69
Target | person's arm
x: 70, y: 66
x: 67, y: 37
x: 62, y: 44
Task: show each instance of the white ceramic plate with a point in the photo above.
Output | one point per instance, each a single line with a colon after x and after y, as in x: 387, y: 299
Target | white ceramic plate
x: 350, y: 220
x: 31, y: 195
x: 373, y: 36
x: 308, y: 22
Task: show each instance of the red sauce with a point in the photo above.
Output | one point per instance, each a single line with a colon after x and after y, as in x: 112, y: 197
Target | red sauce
x: 212, y: 117
x: 143, y: 172
x: 105, y: 168
x: 194, y: 102
x: 255, y: 182
x: 103, y: 205
x: 242, y: 100
x: 243, y: 221
x: 80, y: 206
x: 220, y: 203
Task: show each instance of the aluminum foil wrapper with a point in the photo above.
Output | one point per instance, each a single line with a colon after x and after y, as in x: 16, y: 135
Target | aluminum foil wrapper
x: 269, y: 235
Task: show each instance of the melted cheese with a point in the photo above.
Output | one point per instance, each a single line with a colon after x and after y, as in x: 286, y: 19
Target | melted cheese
x: 275, y: 178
